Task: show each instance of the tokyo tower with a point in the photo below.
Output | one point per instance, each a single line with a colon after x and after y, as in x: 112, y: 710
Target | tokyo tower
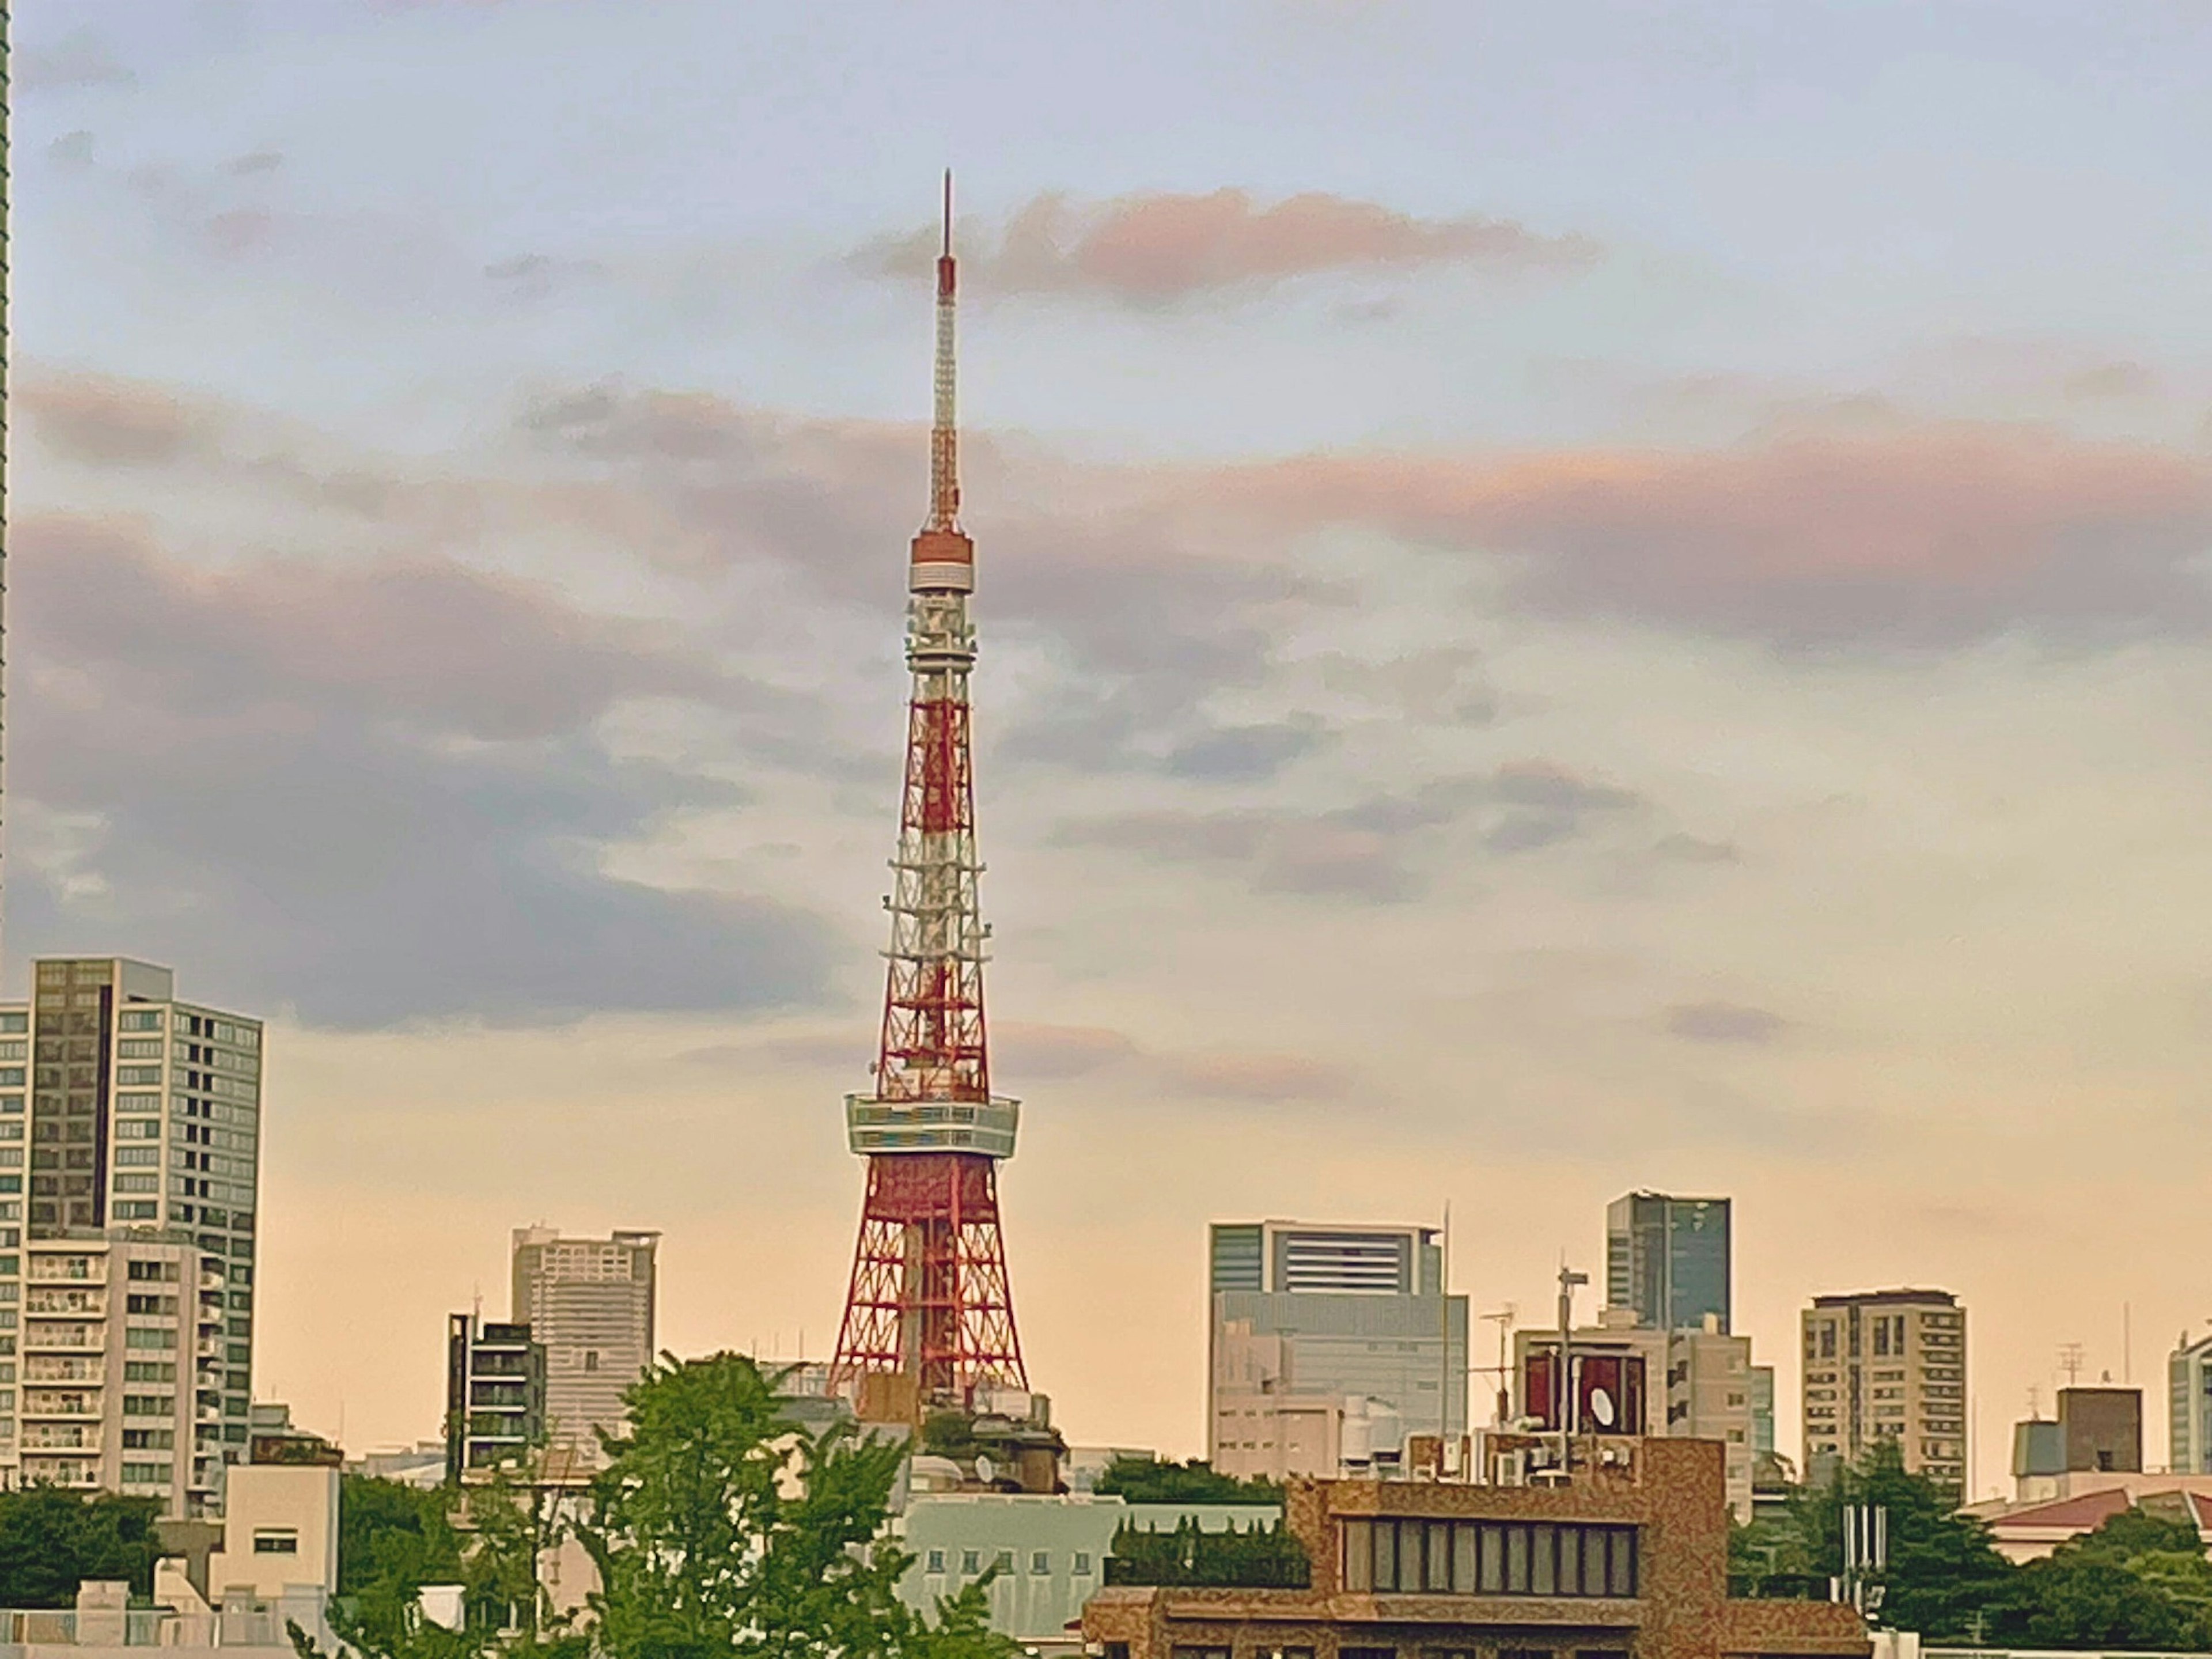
x: 929, y: 1303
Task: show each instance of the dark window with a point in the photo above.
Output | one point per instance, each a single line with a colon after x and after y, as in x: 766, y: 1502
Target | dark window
x: 1367, y: 1653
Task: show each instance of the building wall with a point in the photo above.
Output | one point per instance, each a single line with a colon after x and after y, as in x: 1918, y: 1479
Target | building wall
x: 2102, y: 1429
x: 1050, y: 1551
x: 1668, y: 1494
x: 589, y: 1303
x: 1888, y: 1365
x: 1310, y: 1321
x: 110, y: 1333
x: 1698, y: 1386
x: 280, y: 1531
x: 136, y: 1111
x: 2189, y: 1407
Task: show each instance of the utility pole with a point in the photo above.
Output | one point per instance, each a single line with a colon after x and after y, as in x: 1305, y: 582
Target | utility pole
x: 1503, y: 1318
x: 1563, y: 1383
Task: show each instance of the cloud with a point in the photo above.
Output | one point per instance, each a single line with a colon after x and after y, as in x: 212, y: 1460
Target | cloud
x: 2105, y: 381
x: 428, y: 643
x: 1724, y: 1021
x: 1376, y: 849
x: 373, y: 796
x: 1156, y: 248
x: 1931, y: 535
x: 80, y: 58
x: 253, y: 161
x: 1020, y: 1050
x: 103, y: 422
x: 1255, y: 1076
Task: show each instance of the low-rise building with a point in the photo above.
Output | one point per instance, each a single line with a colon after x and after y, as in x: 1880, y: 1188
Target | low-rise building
x: 1632, y: 1379
x: 123, y: 1351
x: 1628, y: 1555
x: 1050, y: 1553
x: 2079, y: 1502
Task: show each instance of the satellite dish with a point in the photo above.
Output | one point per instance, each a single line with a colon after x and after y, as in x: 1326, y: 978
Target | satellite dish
x: 986, y: 1470
x: 1601, y: 1407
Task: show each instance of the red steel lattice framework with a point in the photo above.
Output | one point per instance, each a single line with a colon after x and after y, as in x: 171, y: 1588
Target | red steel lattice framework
x: 929, y: 1297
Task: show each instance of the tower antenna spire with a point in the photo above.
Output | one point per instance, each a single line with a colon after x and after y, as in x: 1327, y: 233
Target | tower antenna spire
x: 944, y: 427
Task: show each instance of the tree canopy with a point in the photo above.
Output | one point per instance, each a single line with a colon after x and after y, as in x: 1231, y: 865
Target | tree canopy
x: 52, y: 1538
x: 2139, y: 1581
x: 720, y: 1529
x: 1150, y: 1480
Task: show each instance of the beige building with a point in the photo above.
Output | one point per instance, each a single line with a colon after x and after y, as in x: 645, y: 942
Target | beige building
x: 114, y: 1331
x: 280, y: 1533
x: 589, y: 1305
x: 1886, y: 1366
x: 1691, y: 1385
x: 124, y: 1111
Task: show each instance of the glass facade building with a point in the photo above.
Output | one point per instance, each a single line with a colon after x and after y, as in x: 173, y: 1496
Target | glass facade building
x: 1670, y: 1259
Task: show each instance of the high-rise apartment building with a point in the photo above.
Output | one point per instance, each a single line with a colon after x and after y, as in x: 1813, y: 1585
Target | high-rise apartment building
x: 118, y: 1331
x: 494, y: 1395
x: 1669, y: 1258
x: 589, y: 1305
x: 1329, y: 1345
x: 1888, y: 1365
x: 126, y: 1112
x: 2189, y: 1406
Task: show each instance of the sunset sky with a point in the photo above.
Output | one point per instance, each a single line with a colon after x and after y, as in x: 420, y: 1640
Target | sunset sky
x: 1573, y: 597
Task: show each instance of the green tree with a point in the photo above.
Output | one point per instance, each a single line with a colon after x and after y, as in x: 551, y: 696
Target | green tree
x: 485, y: 1538
x: 1150, y: 1480
x: 1943, y: 1572
x: 720, y: 1528
x: 1257, y: 1557
x: 52, y: 1538
x: 381, y: 1521
x: 2139, y: 1581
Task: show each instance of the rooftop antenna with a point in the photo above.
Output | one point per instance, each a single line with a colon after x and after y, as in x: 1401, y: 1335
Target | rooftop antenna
x: 2071, y: 1358
x: 1503, y: 1318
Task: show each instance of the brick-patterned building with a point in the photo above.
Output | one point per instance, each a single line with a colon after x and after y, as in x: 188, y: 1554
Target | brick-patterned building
x: 1630, y: 1558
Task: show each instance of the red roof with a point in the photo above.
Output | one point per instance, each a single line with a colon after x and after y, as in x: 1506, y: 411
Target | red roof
x: 2083, y: 1514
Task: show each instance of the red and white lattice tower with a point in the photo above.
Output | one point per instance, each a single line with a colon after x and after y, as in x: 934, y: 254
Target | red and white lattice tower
x: 929, y: 1298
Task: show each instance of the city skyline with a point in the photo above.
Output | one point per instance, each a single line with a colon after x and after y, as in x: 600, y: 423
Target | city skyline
x: 1719, y: 718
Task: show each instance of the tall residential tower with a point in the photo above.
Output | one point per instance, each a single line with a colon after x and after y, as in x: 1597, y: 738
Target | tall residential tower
x: 141, y: 1114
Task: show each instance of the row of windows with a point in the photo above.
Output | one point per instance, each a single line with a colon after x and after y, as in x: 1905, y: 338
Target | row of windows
x: 1490, y: 1558
x: 971, y: 1562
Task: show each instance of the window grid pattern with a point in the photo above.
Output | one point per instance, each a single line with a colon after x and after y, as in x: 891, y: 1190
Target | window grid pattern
x: 1490, y: 1558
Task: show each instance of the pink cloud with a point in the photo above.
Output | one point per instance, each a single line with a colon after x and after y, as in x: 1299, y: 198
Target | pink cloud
x: 1157, y: 247
x: 1933, y: 532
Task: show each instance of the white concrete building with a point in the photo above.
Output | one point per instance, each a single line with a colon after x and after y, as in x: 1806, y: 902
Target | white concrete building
x: 2189, y: 1406
x: 1327, y: 1346
x: 118, y: 1329
x: 280, y: 1531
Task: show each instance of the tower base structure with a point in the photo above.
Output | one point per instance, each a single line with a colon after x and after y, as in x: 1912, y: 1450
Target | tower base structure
x: 929, y: 1299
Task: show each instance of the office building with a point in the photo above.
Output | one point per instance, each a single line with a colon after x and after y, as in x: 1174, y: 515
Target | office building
x: 1886, y: 1365
x: 1628, y: 1553
x: 2189, y: 1406
x: 1329, y: 1345
x: 1670, y: 1259
x: 589, y: 1305
x: 135, y: 1111
x: 1762, y: 1415
x: 494, y: 1395
x: 1629, y: 1380
x: 118, y: 1331
x: 2096, y: 1431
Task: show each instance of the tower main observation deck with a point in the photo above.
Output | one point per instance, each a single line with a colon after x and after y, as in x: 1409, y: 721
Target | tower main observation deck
x: 929, y: 1301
